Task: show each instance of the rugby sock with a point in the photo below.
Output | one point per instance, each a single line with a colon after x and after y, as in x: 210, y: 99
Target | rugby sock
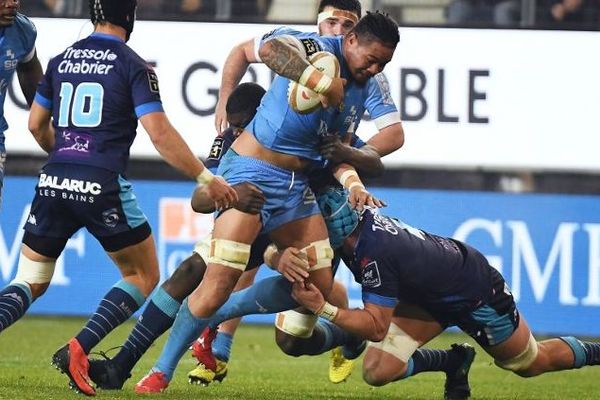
x: 221, y: 346
x: 14, y: 301
x: 431, y: 360
x: 266, y: 296
x: 121, y: 301
x: 154, y: 321
x: 586, y: 353
x: 327, y: 336
x: 186, y: 329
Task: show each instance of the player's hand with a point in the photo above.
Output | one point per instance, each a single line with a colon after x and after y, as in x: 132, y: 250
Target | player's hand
x: 293, y: 265
x: 332, y: 149
x: 250, y: 198
x: 334, y: 96
x: 219, y: 191
x: 221, y: 116
x: 359, y: 197
x: 308, y: 296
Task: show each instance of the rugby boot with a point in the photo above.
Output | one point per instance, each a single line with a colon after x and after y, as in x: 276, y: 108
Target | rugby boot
x: 340, y: 367
x: 72, y: 361
x: 154, y: 382
x: 107, y: 374
x: 202, y: 349
x: 457, y: 380
x: 203, y: 376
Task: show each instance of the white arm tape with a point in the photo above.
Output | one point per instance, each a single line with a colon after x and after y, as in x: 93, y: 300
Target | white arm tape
x: 346, y: 175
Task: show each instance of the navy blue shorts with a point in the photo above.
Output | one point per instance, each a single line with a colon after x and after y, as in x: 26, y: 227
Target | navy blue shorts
x: 70, y: 196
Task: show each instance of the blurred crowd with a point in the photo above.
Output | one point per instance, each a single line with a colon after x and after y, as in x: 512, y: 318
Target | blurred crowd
x: 571, y: 14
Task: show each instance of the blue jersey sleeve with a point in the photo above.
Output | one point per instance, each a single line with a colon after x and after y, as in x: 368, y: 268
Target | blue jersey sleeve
x: 43, y: 95
x: 309, y: 42
x: 356, y: 142
x: 379, y: 102
x: 144, y: 89
x: 27, y: 35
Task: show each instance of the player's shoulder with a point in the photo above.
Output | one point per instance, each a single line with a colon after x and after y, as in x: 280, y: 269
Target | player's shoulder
x: 24, y: 32
x: 23, y: 23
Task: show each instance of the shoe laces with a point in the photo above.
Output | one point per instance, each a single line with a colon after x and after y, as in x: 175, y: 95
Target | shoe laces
x: 104, y: 354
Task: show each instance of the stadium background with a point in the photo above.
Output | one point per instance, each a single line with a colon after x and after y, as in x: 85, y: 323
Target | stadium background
x: 502, y: 132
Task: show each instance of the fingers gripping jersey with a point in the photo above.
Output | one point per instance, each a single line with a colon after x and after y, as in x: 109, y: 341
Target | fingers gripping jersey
x: 97, y: 89
x: 17, y: 45
x: 393, y: 261
x: 277, y: 127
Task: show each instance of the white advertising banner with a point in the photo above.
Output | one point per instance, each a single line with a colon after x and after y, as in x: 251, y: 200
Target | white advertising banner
x: 489, y: 99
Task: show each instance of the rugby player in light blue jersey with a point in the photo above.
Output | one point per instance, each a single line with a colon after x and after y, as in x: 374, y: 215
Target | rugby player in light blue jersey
x: 17, y: 52
x: 273, y: 153
x: 85, y: 115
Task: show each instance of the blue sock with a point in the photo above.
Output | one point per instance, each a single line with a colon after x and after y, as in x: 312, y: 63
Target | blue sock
x: 586, y: 353
x: 267, y: 296
x: 121, y: 301
x: 333, y: 336
x: 186, y: 329
x: 14, y: 301
x: 154, y: 321
x: 221, y: 346
x: 431, y: 360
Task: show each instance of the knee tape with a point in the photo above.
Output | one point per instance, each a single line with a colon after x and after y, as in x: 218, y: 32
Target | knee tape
x: 319, y: 254
x: 295, y: 323
x: 30, y: 272
x: 523, y: 360
x: 202, y: 247
x: 229, y: 253
x: 397, y: 343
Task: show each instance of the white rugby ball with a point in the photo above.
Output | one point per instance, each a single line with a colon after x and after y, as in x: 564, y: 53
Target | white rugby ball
x: 302, y: 99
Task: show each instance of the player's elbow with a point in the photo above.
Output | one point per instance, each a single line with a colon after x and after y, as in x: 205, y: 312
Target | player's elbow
x: 265, y: 49
x: 376, y: 335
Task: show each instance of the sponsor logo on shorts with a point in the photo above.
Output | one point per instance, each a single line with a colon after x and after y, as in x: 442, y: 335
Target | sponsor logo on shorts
x: 70, y: 185
x: 110, y: 217
x: 31, y: 220
x: 370, y: 275
x: 308, y: 197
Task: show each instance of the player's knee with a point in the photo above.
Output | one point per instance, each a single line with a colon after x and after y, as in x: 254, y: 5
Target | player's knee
x: 523, y: 363
x: 293, y: 330
x: 374, y: 377
x: 290, y: 345
x: 229, y: 253
x: 35, y: 274
x: 186, y: 277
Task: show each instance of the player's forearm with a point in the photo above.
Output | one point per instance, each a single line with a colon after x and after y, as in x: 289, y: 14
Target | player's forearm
x: 367, y: 160
x: 29, y: 74
x: 234, y: 69
x: 347, y: 176
x: 284, y: 59
x: 201, y: 203
x: 44, y: 136
x: 361, y: 323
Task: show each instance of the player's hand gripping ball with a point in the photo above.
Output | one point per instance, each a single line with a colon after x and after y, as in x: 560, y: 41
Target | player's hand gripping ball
x: 302, y: 99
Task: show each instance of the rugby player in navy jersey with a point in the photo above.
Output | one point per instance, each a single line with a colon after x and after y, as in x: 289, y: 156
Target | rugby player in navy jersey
x: 85, y: 116
x: 17, y: 52
x: 414, y: 285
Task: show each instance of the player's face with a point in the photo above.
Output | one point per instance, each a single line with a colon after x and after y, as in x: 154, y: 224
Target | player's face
x: 8, y: 12
x: 336, y: 25
x: 365, y: 58
x: 238, y: 121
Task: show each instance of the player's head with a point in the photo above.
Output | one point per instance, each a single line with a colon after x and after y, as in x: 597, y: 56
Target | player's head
x: 370, y: 45
x: 116, y: 12
x: 341, y: 219
x: 337, y: 17
x: 242, y: 104
x: 8, y: 12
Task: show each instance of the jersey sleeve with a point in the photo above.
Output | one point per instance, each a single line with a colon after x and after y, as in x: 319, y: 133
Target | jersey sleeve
x: 28, y: 34
x: 219, y: 147
x: 44, y: 92
x: 144, y: 89
x: 379, y: 102
x: 307, y: 43
x: 356, y: 142
x: 379, y: 284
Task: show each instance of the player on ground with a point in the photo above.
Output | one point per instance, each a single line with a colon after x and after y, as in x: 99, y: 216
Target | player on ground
x: 416, y: 284
x: 17, y: 51
x: 335, y: 17
x: 271, y: 153
x: 85, y: 116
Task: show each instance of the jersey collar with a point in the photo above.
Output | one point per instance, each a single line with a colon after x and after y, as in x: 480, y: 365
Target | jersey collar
x: 107, y: 37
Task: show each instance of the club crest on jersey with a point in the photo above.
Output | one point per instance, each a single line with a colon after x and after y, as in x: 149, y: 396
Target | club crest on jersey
x: 370, y: 275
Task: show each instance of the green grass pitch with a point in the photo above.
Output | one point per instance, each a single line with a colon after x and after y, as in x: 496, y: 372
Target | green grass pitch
x: 258, y: 370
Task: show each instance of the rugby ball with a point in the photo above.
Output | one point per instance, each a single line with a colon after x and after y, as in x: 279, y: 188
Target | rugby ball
x: 302, y: 99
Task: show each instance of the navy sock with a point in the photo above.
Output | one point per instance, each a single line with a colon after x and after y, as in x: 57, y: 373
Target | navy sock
x: 586, y: 353
x: 326, y: 336
x: 14, y: 301
x: 154, y: 321
x: 424, y: 360
x: 267, y: 296
x: 121, y: 301
x: 221, y: 346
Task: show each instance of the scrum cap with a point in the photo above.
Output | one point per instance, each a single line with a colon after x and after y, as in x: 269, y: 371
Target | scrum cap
x: 117, y: 12
x: 341, y: 219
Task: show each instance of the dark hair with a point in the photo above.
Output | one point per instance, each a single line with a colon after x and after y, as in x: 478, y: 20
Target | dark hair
x: 245, y: 99
x: 117, y: 12
x: 347, y: 5
x: 378, y: 26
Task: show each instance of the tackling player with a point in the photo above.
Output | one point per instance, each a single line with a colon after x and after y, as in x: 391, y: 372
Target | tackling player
x: 85, y: 116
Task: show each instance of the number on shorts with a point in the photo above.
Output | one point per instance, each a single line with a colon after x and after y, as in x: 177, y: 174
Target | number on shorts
x: 86, y: 108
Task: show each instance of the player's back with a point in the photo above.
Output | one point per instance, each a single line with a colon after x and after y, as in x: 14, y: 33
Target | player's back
x: 95, y: 88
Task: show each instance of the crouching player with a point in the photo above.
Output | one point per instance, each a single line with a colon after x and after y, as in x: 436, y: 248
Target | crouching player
x: 416, y: 284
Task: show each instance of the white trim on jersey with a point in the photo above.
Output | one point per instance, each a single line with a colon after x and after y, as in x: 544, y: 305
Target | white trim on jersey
x: 387, y: 120
x: 29, y: 56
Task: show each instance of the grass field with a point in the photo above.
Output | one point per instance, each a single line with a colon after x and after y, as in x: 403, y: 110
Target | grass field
x: 260, y: 371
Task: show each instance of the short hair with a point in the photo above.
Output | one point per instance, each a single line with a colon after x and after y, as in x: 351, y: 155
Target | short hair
x: 347, y: 5
x: 378, y: 26
x: 245, y: 99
